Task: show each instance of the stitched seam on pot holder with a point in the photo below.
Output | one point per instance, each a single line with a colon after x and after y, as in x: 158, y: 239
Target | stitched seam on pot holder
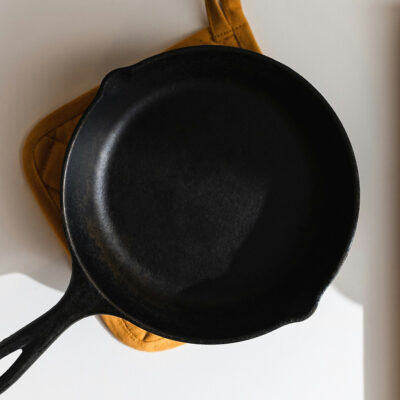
x: 128, y: 330
x: 226, y: 39
x: 212, y: 26
x: 47, y: 158
x: 54, y: 139
x: 125, y: 325
x: 200, y: 41
x: 47, y: 153
x: 58, y: 126
x: 230, y: 31
x: 34, y: 158
x: 54, y: 188
x: 234, y: 32
x: 37, y: 169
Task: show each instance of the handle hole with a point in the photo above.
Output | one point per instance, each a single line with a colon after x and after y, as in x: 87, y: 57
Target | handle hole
x: 6, y: 362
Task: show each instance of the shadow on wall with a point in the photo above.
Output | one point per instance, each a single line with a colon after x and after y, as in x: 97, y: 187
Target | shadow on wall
x: 373, y: 279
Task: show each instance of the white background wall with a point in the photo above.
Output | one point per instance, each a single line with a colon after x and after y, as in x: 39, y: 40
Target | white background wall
x: 52, y: 51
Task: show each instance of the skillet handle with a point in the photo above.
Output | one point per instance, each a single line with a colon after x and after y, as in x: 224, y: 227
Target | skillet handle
x: 80, y: 300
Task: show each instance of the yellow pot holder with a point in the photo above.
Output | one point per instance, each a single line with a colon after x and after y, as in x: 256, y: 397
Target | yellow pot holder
x: 45, y: 146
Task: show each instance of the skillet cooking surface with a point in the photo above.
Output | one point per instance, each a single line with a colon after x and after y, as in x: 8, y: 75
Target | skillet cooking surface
x: 216, y: 189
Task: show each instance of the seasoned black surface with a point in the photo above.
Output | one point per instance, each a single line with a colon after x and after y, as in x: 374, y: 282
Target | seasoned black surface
x: 210, y: 194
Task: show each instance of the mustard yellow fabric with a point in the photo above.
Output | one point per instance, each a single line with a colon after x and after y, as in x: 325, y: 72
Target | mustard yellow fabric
x: 45, y: 147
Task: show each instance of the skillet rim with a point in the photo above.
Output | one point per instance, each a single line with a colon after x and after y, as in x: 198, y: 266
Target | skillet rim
x: 352, y: 222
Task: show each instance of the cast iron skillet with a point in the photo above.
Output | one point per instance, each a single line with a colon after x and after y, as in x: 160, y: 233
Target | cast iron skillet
x: 209, y: 196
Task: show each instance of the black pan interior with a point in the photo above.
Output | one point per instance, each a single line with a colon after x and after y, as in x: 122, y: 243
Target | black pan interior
x: 210, y: 193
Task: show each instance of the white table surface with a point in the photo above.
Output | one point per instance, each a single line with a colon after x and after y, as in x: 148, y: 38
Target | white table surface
x: 52, y: 51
